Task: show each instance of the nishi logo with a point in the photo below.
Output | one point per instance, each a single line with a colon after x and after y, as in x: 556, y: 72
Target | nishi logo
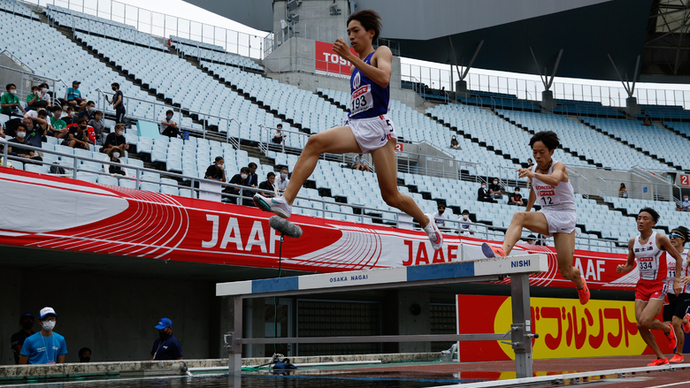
x: 519, y: 263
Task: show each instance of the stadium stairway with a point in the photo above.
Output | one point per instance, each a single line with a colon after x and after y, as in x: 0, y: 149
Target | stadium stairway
x: 586, y: 122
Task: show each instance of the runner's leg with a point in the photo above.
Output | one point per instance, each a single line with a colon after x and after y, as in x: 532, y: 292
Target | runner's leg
x: 534, y: 221
x: 337, y: 140
x: 644, y: 315
x: 565, y: 249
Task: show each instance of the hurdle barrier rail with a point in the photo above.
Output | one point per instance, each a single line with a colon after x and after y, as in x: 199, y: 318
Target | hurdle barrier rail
x: 517, y: 267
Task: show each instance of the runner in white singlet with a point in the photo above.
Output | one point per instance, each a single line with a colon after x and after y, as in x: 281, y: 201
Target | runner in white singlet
x: 368, y: 129
x: 675, y: 312
x: 551, y: 189
x: 650, y: 249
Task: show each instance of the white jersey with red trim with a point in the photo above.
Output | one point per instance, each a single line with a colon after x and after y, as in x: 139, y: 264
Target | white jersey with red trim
x: 559, y: 197
x: 651, y: 261
x: 671, y: 263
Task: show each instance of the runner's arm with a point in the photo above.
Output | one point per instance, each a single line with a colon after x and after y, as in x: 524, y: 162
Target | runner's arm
x: 383, y: 58
x: 532, y: 198
x: 553, y: 179
x: 630, y: 264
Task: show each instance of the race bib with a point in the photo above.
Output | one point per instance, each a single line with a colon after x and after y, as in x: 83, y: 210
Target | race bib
x: 646, y: 266
x: 361, y: 100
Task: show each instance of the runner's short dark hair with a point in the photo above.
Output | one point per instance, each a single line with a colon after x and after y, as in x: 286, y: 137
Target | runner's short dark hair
x: 369, y: 19
x: 549, y: 138
x: 652, y: 212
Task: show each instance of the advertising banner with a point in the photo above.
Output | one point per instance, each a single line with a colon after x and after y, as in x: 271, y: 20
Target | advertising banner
x: 66, y: 214
x: 330, y: 62
x: 566, y: 328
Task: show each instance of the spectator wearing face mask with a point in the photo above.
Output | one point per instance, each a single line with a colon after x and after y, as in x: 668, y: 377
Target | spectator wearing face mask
x: 116, y: 139
x: 268, y: 185
x: 74, y: 96
x: 360, y: 163
x: 282, y: 180
x: 78, y: 136
x: 97, y: 124
x: 439, y: 218
x: 241, y: 179
x: 33, y: 98
x: 454, y: 143
x: 68, y: 116
x: 516, y: 198
x: 46, y: 346
x: 26, y: 321
x: 465, y: 223
x: 88, y: 112
x: 44, y: 94
x: 118, y: 103
x: 116, y: 169
x: 168, y: 127
x: 84, y: 355
x: 9, y: 102
x: 166, y: 346
x: 253, y: 179
x: 58, y: 124
x: 278, y: 136
x: 15, y: 148
x: 686, y: 204
x: 216, y: 171
x: 483, y: 194
x: 42, y: 127
x: 495, y: 189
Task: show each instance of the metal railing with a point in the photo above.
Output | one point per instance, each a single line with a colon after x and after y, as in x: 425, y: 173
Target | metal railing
x: 28, y: 79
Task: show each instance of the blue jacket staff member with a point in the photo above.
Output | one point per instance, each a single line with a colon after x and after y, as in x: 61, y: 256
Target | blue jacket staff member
x: 46, y: 346
x: 166, y: 347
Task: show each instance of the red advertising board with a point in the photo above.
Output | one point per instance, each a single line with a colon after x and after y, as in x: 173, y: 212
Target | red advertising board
x: 330, y: 62
x: 80, y: 216
x: 566, y: 328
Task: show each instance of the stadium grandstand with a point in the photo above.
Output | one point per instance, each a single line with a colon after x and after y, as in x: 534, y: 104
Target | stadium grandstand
x: 84, y: 227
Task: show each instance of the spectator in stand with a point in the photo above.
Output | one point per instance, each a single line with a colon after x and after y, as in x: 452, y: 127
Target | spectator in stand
x: 166, y: 346
x: 454, y: 143
x: 88, y: 112
x: 42, y: 127
x: 278, y: 137
x: 465, y: 223
x: 516, y: 198
x: 44, y: 93
x: 622, y: 191
x: 78, y: 135
x: 33, y: 98
x: 34, y: 135
x: 686, y: 204
x: 483, y: 195
x: 14, y: 146
x: 68, y: 116
x: 647, y: 121
x: 116, y: 139
x: 495, y: 190
x: 438, y: 216
x: 360, y: 163
x: 46, y: 346
x: 253, y: 180
x: 268, y: 185
x: 531, y: 239
x: 216, y: 171
x: 529, y: 161
x: 118, y: 103
x: 9, y: 102
x: 74, y: 98
x: 59, y: 125
x: 84, y: 355
x: 168, y: 126
x: 241, y: 179
x: 114, y: 153
x: 26, y: 321
x: 97, y: 124
x: 282, y: 180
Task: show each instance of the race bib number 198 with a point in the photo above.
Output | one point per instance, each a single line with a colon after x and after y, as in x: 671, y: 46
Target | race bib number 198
x: 361, y: 100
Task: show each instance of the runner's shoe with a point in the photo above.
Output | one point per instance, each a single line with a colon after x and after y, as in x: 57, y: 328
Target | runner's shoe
x: 658, y: 361
x: 677, y: 359
x: 583, y: 292
x: 434, y: 234
x: 686, y: 325
x: 490, y: 251
x: 277, y: 205
x: 671, y: 335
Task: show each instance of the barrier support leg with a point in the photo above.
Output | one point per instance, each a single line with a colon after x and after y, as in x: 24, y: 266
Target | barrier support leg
x: 521, y: 337
x: 235, y: 347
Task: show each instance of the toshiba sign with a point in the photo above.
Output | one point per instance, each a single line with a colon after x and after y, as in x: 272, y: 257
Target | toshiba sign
x: 330, y: 62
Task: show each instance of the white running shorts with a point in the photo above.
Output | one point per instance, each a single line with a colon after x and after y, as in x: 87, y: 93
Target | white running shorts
x: 560, y: 221
x: 372, y: 133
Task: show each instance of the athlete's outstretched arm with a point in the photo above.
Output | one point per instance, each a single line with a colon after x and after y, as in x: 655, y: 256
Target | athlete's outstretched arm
x: 381, y: 69
x: 630, y: 264
x: 664, y: 243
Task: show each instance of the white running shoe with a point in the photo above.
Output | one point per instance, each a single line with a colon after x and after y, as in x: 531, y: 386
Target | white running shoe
x: 277, y: 205
x: 434, y: 234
